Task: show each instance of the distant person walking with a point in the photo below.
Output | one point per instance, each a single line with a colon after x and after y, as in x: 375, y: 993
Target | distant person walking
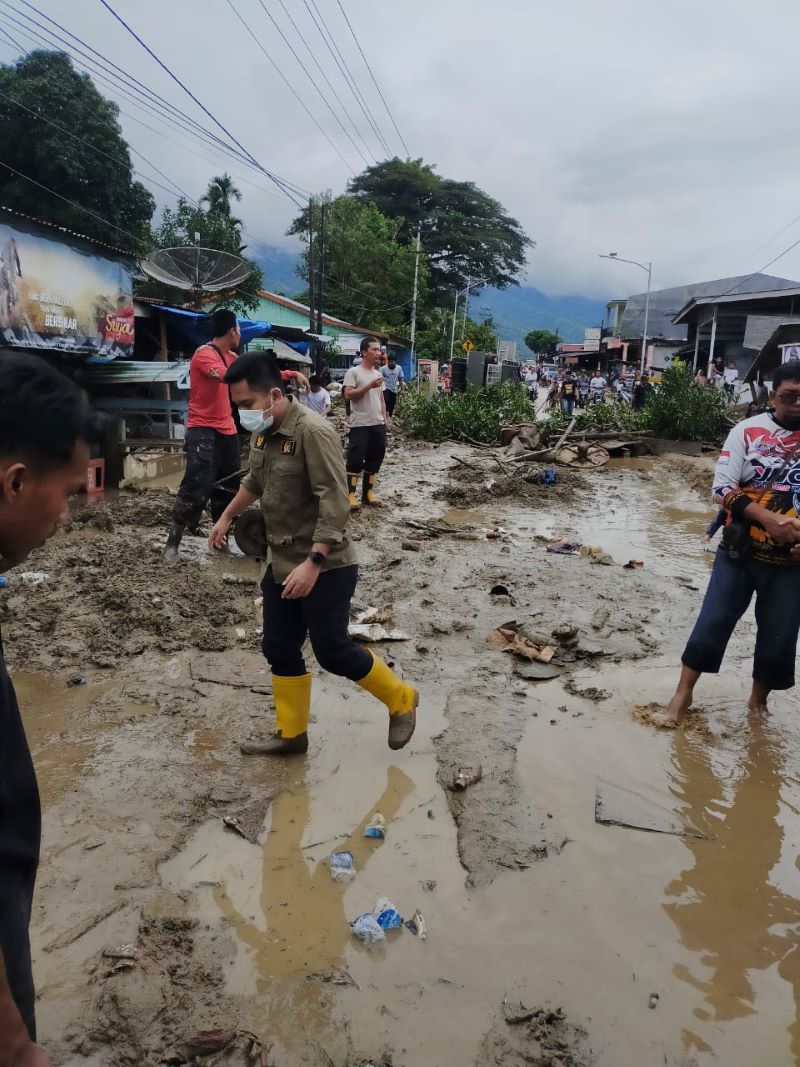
x: 730, y: 376
x: 363, y: 388
x: 642, y: 391
x: 393, y: 384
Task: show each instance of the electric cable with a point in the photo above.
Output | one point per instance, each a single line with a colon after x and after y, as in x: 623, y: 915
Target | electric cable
x: 320, y: 93
x: 374, y: 80
x: 328, y: 82
x: 202, y: 106
x: 341, y: 63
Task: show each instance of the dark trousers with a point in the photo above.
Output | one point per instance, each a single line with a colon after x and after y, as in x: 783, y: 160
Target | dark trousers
x: 323, y: 616
x: 391, y: 400
x: 366, y: 449
x: 210, y: 456
x: 730, y: 590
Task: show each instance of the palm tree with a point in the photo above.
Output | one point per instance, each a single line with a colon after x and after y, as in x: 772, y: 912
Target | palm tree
x: 221, y: 192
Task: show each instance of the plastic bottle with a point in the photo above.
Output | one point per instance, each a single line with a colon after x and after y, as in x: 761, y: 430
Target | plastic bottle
x: 342, y: 866
x: 366, y: 929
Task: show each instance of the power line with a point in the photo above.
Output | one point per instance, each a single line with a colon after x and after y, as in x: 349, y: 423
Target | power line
x: 202, y: 107
x: 374, y: 80
x: 291, y: 89
x: 73, y: 203
x: 125, y: 164
x: 320, y: 93
x: 152, y: 101
x: 321, y: 69
x: 8, y: 36
x: 774, y: 237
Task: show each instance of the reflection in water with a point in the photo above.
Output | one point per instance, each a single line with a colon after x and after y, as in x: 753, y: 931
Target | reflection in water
x: 305, y: 926
x: 726, y: 908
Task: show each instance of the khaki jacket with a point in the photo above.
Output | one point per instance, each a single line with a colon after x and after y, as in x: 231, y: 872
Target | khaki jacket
x: 298, y: 473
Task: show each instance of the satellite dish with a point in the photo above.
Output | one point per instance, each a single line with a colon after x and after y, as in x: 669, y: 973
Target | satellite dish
x: 202, y: 270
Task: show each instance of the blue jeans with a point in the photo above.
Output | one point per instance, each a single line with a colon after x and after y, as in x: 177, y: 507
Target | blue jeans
x: 730, y: 590
x: 567, y: 404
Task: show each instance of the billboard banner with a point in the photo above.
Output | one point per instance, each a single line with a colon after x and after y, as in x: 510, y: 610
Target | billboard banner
x: 55, y: 296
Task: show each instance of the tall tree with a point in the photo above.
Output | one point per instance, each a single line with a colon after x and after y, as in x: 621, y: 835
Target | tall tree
x: 369, y: 268
x: 183, y: 225
x: 542, y: 342
x: 467, y: 235
x: 221, y: 193
x: 56, y: 128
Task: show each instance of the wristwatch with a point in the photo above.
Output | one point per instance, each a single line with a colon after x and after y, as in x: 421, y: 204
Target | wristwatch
x: 316, y: 557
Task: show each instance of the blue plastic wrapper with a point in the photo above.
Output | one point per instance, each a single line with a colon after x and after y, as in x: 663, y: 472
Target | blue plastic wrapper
x: 376, y: 826
x: 342, y: 866
x: 367, y: 929
x: 387, y: 915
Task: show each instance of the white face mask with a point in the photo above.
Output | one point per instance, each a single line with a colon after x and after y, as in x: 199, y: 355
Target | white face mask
x: 255, y: 421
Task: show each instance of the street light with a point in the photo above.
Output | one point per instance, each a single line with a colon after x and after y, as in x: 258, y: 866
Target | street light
x: 460, y: 293
x: 649, y: 272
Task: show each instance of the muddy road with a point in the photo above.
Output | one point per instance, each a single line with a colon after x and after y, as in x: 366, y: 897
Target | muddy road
x: 552, y: 938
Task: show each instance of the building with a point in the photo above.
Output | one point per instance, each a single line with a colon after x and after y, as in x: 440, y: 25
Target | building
x: 282, y: 311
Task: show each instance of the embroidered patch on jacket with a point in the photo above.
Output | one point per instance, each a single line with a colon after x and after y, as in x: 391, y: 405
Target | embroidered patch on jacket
x: 288, y: 448
x: 260, y: 441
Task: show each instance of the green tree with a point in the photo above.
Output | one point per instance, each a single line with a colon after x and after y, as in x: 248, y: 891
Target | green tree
x: 216, y: 228
x: 221, y: 192
x: 369, y: 268
x: 55, y: 127
x: 466, y: 234
x: 482, y: 334
x: 542, y: 342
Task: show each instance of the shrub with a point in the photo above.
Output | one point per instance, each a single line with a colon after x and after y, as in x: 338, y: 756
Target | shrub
x: 682, y: 410
x: 475, y: 415
x: 602, y: 418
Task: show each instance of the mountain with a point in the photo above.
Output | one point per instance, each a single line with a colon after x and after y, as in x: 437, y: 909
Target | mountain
x: 516, y: 310
x: 279, y: 267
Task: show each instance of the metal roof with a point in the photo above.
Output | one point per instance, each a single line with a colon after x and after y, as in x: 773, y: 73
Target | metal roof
x: 666, y: 304
x: 784, y: 333
x: 138, y: 372
x: 736, y: 298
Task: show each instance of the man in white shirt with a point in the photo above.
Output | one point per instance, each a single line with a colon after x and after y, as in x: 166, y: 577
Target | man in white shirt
x: 730, y: 376
x: 392, y: 384
x: 363, y: 388
x: 597, y: 388
x: 318, y: 398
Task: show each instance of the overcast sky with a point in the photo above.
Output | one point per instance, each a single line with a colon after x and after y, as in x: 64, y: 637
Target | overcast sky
x: 663, y: 131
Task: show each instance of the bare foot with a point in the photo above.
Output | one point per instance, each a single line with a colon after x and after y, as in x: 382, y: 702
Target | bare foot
x: 758, y: 710
x: 672, y: 716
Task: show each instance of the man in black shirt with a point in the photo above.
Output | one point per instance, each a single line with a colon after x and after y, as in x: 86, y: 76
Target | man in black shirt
x: 45, y: 427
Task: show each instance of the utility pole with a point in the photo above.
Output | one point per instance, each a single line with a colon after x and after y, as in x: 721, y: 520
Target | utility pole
x: 321, y: 261
x: 466, y: 306
x: 414, y: 298
x: 311, y: 266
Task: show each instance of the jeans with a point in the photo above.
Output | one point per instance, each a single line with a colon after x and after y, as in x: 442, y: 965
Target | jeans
x: 323, y: 616
x: 210, y: 456
x: 567, y: 404
x: 730, y: 590
x: 366, y: 449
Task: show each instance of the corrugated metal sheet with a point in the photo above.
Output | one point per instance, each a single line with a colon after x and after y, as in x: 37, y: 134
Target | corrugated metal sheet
x: 135, y: 372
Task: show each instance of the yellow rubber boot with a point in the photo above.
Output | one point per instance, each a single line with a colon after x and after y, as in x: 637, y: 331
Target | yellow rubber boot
x: 352, y: 491
x: 399, y: 697
x: 292, y: 708
x: 368, y: 489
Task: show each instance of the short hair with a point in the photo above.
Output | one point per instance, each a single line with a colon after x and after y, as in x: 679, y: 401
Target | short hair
x: 787, y: 372
x: 315, y: 380
x: 259, y: 369
x: 43, y: 414
x: 391, y: 357
x: 366, y: 342
x: 222, y: 321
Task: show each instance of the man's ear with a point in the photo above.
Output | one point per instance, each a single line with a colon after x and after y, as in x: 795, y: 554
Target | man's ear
x: 12, y: 480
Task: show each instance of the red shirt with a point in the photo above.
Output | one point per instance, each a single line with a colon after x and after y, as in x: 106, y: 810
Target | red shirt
x: 209, y: 398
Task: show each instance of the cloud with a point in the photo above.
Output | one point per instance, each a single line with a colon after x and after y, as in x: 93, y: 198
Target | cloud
x: 664, y: 132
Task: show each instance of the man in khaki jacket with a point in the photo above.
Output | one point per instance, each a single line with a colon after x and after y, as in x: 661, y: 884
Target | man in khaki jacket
x: 297, y: 472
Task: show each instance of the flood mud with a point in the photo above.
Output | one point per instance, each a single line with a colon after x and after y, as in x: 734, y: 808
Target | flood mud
x: 185, y: 906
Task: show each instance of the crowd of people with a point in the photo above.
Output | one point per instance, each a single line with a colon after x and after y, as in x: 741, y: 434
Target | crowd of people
x: 568, y: 389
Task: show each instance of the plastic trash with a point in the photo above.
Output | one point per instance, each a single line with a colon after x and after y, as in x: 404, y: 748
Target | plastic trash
x: 33, y: 577
x: 3, y: 580
x: 342, y: 866
x: 387, y: 915
x: 416, y: 924
x: 376, y: 826
x: 367, y: 929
